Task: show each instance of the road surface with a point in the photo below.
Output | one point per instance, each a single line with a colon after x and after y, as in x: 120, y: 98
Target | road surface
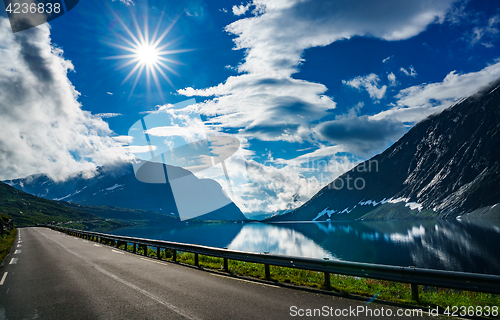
x: 50, y: 275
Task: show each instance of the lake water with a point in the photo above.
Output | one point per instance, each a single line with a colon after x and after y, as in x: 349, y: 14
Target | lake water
x: 466, y: 245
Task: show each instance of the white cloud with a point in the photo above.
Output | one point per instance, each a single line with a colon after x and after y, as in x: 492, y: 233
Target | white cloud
x: 483, y: 34
x: 265, y: 107
x: 411, y: 73
x: 108, y: 115
x: 42, y: 127
x: 128, y: 3
x: 264, y: 101
x: 386, y: 59
x: 276, y: 39
x: 123, y: 140
x: 191, y: 134
x: 139, y: 149
x: 370, y: 84
x: 110, y: 93
x: 417, y: 102
x: 241, y: 9
x: 392, y: 79
x: 287, y: 184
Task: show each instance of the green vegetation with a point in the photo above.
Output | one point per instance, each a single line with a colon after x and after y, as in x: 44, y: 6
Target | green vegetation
x: 6, y: 239
x: 386, y: 290
x: 28, y: 210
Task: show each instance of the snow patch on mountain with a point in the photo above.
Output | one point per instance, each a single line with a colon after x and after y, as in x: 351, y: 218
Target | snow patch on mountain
x: 346, y: 210
x: 414, y: 205
x: 397, y: 200
x: 322, y: 213
x: 114, y: 187
x: 69, y: 195
x: 411, y: 205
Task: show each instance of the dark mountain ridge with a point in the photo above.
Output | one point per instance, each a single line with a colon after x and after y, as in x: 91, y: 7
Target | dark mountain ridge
x: 118, y: 187
x: 446, y: 166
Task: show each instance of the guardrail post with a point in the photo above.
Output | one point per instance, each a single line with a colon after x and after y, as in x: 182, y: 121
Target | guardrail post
x: 158, y: 253
x: 268, y: 271
x: 135, y: 248
x: 414, y: 291
x: 196, y: 261
x: 174, y: 256
x: 327, y: 281
x: 226, y: 265
x: 145, y: 250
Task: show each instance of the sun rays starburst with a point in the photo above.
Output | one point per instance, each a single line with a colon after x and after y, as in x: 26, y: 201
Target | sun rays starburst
x: 147, y: 53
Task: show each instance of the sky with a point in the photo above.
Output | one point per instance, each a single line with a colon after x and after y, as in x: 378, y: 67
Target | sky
x: 309, y: 88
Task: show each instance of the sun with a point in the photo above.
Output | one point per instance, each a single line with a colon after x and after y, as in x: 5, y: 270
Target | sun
x: 147, y: 53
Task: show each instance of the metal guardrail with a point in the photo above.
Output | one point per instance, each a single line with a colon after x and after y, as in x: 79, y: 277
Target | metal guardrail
x: 413, y: 276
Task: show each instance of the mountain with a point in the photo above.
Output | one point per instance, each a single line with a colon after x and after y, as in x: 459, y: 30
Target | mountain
x: 117, y: 186
x: 446, y: 166
x: 26, y: 209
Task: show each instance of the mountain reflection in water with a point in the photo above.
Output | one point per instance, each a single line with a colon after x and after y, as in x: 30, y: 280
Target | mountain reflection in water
x: 466, y: 245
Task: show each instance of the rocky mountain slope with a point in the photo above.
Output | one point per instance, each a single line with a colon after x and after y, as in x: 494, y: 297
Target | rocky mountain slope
x: 446, y: 166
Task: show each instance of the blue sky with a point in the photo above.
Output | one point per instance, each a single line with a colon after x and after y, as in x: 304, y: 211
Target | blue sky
x: 309, y: 87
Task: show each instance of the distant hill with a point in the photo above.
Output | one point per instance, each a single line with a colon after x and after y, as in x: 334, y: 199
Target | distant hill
x: 118, y: 187
x: 446, y: 166
x: 26, y: 209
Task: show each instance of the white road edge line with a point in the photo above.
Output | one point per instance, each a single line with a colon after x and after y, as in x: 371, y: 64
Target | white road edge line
x: 147, y: 294
x: 13, y: 261
x: 149, y: 260
x: 254, y: 282
x: 117, y: 251
x: 3, y: 278
x: 97, y: 245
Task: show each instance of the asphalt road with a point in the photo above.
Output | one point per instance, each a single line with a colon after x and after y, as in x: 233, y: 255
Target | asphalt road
x: 50, y: 275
